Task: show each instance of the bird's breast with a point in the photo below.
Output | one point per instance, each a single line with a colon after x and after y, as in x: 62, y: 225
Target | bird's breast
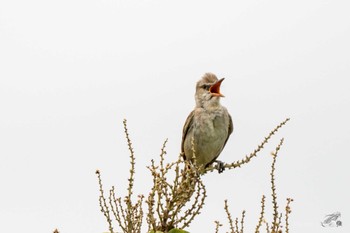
x: 210, y: 131
x: 212, y: 126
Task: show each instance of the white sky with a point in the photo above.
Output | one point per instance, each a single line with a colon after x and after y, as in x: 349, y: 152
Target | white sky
x: 70, y: 71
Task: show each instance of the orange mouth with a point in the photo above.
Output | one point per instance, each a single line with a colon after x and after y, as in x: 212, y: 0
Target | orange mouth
x: 215, y: 88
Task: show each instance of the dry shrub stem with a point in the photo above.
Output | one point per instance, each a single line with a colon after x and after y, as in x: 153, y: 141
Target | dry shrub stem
x: 217, y: 226
x: 234, y: 228
x: 103, y: 203
x: 242, y: 221
x: 267, y: 227
x: 236, y: 225
x: 167, y: 201
x: 178, y: 195
x: 275, y: 226
x: 247, y: 158
x: 229, y: 217
x: 288, y: 211
x: 261, y: 218
x: 128, y: 215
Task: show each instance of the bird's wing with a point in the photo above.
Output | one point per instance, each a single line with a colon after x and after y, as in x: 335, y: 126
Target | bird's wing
x: 185, y: 130
x: 230, y: 128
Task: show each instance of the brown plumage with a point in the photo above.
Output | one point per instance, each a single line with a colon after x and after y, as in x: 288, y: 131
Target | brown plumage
x: 209, y: 124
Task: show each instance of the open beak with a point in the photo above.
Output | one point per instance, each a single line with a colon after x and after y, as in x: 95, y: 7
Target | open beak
x: 215, y: 88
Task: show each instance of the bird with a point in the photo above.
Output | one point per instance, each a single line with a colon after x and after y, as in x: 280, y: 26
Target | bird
x: 208, y: 127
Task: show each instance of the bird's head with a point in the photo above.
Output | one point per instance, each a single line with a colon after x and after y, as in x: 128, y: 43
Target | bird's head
x: 208, y: 91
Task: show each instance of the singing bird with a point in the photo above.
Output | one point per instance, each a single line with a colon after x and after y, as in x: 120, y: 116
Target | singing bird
x: 209, y: 125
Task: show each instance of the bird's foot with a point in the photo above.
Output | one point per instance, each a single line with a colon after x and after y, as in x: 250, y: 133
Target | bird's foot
x: 220, y: 166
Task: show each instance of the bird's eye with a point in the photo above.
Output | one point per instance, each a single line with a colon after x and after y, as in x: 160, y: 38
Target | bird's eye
x: 206, y: 86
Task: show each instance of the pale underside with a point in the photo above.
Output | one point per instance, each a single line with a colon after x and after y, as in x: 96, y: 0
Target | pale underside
x: 210, y: 131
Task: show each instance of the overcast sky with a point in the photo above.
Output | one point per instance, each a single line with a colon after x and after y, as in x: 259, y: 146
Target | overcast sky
x: 72, y: 70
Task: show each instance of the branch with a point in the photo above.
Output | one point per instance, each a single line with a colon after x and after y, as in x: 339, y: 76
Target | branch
x: 247, y: 159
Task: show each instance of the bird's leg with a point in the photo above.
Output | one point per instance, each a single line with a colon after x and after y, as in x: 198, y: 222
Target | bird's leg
x: 220, y: 166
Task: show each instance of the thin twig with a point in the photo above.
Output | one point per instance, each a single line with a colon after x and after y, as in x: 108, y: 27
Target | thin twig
x: 242, y: 221
x: 103, y: 203
x: 247, y: 158
x: 229, y: 217
x: 217, y: 226
x: 288, y: 211
x: 275, y: 224
x: 261, y: 218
